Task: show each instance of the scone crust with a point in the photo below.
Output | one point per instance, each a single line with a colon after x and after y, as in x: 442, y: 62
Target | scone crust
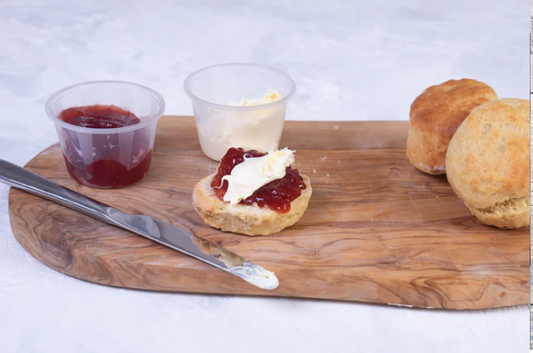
x: 488, y: 162
x: 435, y: 116
x: 243, y: 219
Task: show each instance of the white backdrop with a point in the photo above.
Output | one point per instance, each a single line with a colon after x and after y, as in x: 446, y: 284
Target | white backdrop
x: 351, y: 60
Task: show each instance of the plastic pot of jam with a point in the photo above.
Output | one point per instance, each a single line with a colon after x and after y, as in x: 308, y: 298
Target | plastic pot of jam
x: 239, y: 105
x: 106, y: 130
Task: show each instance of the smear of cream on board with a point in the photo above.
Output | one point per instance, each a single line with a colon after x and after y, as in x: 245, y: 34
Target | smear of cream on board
x: 256, y: 275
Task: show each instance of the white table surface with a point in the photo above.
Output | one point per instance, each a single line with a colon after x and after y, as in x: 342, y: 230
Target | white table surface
x: 351, y: 61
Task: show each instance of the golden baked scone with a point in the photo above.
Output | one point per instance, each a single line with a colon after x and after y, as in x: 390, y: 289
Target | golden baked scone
x: 488, y: 162
x: 435, y: 116
x: 246, y: 219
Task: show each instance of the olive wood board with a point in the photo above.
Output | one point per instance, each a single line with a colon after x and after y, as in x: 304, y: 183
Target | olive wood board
x: 377, y: 230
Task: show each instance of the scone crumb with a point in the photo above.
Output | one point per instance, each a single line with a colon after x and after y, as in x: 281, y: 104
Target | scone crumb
x: 336, y: 127
x: 314, y: 171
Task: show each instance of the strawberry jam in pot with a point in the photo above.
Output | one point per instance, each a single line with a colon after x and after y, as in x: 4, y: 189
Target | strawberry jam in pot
x: 99, y: 116
x: 104, y: 160
x: 276, y: 195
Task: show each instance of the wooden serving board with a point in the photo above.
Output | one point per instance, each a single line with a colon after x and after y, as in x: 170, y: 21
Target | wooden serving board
x: 377, y: 230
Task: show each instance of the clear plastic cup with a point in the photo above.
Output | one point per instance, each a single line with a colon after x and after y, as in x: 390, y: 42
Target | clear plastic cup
x: 221, y: 125
x: 107, y: 157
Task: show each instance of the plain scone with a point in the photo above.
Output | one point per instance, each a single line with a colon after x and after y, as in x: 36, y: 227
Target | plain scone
x: 488, y: 163
x: 244, y: 219
x: 435, y: 116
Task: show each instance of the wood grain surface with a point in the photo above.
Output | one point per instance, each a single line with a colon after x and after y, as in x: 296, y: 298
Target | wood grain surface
x: 377, y: 230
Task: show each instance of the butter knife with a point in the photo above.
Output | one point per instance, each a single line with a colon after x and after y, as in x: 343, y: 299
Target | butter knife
x: 163, y: 233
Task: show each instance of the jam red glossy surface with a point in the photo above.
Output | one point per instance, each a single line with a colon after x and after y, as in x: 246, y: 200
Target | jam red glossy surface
x: 277, y: 195
x: 115, y: 159
x: 99, y: 116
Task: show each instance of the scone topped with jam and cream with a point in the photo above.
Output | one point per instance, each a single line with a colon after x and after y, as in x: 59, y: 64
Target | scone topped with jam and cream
x: 253, y: 193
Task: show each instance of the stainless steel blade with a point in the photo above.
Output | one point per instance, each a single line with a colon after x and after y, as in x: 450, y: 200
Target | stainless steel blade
x: 158, y: 231
x: 192, y: 245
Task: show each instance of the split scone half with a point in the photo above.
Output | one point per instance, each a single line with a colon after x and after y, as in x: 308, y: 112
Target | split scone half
x: 253, y: 193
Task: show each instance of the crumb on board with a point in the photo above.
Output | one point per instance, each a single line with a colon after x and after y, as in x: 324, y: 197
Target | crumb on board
x: 327, y: 174
x: 324, y: 158
x: 339, y: 161
x: 314, y: 172
x: 336, y: 127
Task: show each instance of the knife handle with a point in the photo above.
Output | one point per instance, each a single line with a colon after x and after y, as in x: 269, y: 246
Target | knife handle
x: 25, y: 180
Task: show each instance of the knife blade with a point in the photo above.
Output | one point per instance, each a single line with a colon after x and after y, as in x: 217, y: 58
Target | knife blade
x: 163, y: 233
